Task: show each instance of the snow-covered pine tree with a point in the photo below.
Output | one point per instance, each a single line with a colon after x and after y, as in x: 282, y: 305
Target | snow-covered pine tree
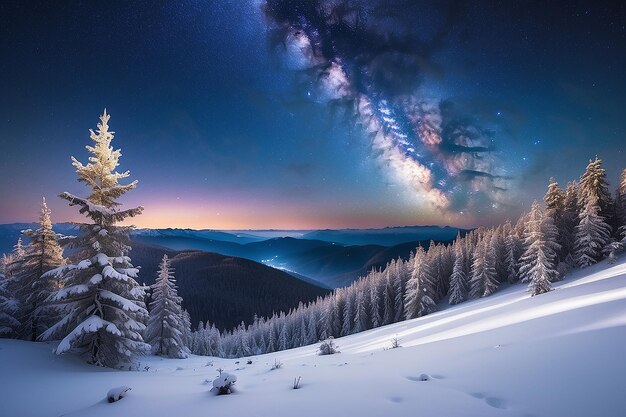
x: 348, y: 312
x: 166, y: 330
x: 620, y: 207
x: 538, y: 264
x: 9, y: 303
x: 186, y: 319
x: 102, y: 304
x: 388, y: 297
x: 13, y: 261
x: 595, y: 186
x: 360, y: 315
x: 484, y: 277
x: 375, y: 317
x: 8, y: 309
x: 4, y: 265
x: 555, y: 208
x: 420, y: 288
x: 512, y: 246
x: 592, y: 233
x: 458, y: 279
x: 400, y: 275
x: 30, y: 287
x: 569, y: 221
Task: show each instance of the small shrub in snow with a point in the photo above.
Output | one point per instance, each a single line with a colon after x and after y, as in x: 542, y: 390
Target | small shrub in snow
x: 328, y: 347
x: 116, y: 394
x: 296, y: 382
x: 223, y: 384
x: 395, y: 343
x: 249, y: 362
x: 277, y: 365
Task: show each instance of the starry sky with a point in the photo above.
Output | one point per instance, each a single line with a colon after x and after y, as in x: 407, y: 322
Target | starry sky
x: 254, y: 114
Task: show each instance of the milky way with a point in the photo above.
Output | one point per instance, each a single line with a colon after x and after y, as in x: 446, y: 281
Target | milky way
x: 370, y: 59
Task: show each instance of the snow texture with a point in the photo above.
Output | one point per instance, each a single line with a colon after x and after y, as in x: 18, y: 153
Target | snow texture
x: 558, y: 354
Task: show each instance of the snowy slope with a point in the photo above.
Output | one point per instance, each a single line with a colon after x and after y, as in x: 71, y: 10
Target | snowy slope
x: 558, y: 354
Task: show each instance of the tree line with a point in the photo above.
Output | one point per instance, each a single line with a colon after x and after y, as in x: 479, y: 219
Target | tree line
x: 94, y: 305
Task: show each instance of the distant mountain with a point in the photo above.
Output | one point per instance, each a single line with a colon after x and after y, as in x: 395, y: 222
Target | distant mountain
x: 225, y: 289
x: 241, y: 238
x: 329, y: 258
x: 388, y: 236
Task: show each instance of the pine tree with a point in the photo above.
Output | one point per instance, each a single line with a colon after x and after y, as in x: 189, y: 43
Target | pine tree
x: 555, y: 208
x: 186, y: 320
x: 458, y: 279
x: 8, y: 309
x: 594, y: 186
x: 388, y: 298
x: 103, y: 305
x: 538, y: 264
x: 484, y: 278
x: 31, y: 288
x: 569, y: 221
x: 360, y: 317
x: 420, y: 288
x: 592, y: 234
x: 348, y: 313
x: 620, y: 206
x: 166, y: 330
x: 375, y: 305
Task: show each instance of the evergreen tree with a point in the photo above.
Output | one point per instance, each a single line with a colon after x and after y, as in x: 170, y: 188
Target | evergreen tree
x: 620, y: 207
x: 375, y: 305
x: 348, y: 313
x: 8, y: 309
x: 186, y: 321
x: 103, y: 306
x: 166, y: 330
x: 388, y: 298
x: 458, y: 279
x: 30, y: 287
x: 360, y: 315
x: 595, y: 187
x: 592, y: 234
x: 420, y: 288
x: 484, y: 277
x: 569, y: 221
x: 538, y: 264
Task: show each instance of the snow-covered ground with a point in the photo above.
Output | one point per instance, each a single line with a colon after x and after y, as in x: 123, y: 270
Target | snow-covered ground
x: 558, y: 354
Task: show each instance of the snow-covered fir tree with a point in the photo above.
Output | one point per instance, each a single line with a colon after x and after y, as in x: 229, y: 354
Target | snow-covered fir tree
x: 538, y: 264
x: 101, y: 304
x: 593, y: 234
x: 620, y: 207
x: 166, y: 329
x: 8, y: 309
x: 569, y: 221
x: 458, y: 279
x: 595, y: 186
x: 487, y: 257
x: 186, y: 320
x: 484, y: 277
x: 420, y: 288
x: 30, y: 286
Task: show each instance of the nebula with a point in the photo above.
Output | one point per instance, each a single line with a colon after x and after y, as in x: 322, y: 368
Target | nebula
x: 372, y: 60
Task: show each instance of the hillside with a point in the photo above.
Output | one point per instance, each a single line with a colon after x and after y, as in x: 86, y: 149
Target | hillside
x: 225, y: 289
x: 557, y: 354
x: 324, y: 261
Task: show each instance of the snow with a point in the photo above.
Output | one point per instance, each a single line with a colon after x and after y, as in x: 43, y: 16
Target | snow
x: 91, y: 325
x: 124, y: 303
x: 555, y: 354
x: 116, y: 394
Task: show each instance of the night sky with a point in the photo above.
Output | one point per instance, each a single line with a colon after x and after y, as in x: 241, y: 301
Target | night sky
x: 311, y: 114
